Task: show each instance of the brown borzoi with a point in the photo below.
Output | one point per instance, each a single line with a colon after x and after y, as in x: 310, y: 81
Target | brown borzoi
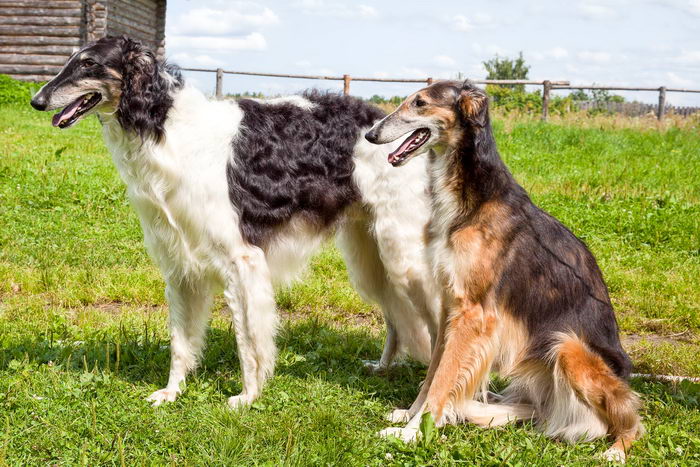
x: 521, y: 294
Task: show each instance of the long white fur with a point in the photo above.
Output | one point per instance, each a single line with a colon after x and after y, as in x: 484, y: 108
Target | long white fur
x: 179, y: 190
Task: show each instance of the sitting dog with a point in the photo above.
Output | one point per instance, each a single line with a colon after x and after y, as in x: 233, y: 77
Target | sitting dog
x: 239, y: 195
x: 521, y: 294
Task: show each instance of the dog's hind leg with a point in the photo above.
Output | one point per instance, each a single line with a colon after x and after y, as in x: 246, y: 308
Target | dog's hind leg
x: 249, y: 295
x: 190, y: 303
x: 368, y: 276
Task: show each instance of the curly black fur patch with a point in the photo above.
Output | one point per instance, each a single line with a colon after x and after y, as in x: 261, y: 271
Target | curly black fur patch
x: 290, y: 161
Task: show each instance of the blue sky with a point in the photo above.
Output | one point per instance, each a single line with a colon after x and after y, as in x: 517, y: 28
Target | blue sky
x: 622, y: 42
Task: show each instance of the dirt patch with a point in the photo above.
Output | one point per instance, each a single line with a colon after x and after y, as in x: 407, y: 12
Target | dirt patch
x: 632, y: 340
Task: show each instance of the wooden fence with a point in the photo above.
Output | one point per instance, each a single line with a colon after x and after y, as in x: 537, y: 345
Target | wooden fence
x: 547, y: 85
x: 635, y: 109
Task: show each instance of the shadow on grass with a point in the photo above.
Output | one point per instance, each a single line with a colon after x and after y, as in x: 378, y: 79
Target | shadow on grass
x: 307, y: 349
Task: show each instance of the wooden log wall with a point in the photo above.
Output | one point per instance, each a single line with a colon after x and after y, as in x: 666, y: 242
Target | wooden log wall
x: 38, y: 36
x: 140, y: 19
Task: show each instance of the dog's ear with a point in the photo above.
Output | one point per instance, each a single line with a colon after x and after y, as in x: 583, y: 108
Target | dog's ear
x: 142, y: 87
x: 473, y: 105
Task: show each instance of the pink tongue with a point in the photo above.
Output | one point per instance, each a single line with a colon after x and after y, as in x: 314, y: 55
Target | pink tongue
x: 66, y: 113
x: 400, y: 150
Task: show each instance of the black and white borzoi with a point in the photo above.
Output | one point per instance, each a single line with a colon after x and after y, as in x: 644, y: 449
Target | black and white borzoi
x: 238, y: 195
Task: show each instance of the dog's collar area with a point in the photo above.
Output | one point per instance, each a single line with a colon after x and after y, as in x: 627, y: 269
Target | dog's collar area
x: 72, y: 112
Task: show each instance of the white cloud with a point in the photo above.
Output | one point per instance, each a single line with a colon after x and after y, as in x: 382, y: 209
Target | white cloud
x: 186, y: 59
x: 253, y: 41
x: 687, y: 6
x: 688, y: 57
x: 445, y: 61
x: 558, y: 52
x: 676, y: 80
x: 594, y: 57
x: 489, y: 50
x: 303, y: 63
x: 336, y: 9
x: 596, y: 11
x: 367, y: 11
x: 460, y: 23
x: 464, y: 24
x: 236, y: 18
x: 412, y: 72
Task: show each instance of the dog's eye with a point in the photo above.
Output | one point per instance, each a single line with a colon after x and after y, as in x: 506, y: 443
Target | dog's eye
x: 88, y: 62
x: 420, y: 102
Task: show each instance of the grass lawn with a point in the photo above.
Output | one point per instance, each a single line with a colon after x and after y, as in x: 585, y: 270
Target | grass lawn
x: 83, y: 337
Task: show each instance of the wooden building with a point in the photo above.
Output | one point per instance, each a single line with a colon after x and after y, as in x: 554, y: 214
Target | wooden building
x: 38, y: 36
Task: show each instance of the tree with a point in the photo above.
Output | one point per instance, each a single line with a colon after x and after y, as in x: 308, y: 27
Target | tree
x: 506, y: 68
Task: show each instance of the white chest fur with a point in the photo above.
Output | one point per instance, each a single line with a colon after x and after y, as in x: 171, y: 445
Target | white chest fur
x: 445, y: 208
x: 178, y: 187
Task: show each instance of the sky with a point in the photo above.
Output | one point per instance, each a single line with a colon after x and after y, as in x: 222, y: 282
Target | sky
x: 612, y: 42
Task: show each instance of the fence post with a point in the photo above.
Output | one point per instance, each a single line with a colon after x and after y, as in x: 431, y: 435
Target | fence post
x: 346, y: 85
x: 430, y: 81
x: 219, y: 83
x: 662, y: 103
x: 546, y: 87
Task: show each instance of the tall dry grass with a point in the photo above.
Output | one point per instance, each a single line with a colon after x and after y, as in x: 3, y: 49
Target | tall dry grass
x: 584, y: 119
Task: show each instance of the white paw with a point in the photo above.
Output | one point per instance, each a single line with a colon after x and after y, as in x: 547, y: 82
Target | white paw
x: 399, y: 416
x: 407, y: 435
x: 240, y: 401
x: 373, y: 366
x: 615, y: 455
x: 162, y: 395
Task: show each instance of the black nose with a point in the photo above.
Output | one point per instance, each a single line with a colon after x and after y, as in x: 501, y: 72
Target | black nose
x: 372, y: 136
x: 39, y: 102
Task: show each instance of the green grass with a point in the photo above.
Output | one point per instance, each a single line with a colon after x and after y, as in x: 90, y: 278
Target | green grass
x: 83, y: 335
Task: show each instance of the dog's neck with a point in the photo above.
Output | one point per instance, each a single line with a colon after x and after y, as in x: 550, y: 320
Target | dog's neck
x: 472, y: 170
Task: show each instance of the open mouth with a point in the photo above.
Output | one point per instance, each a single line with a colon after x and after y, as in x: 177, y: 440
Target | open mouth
x: 72, y: 113
x: 417, y: 139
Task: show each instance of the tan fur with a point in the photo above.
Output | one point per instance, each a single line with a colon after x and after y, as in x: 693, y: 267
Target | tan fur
x: 576, y: 395
x: 600, y: 388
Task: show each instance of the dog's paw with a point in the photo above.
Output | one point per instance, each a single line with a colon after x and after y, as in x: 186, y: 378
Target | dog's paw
x: 615, y: 455
x: 162, y: 395
x: 407, y: 435
x: 240, y: 401
x: 399, y: 416
x: 373, y: 366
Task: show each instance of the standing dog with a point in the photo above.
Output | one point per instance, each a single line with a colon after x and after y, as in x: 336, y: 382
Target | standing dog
x: 238, y: 195
x: 521, y: 294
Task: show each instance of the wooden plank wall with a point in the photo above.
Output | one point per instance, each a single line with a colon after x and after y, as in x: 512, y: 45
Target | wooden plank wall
x: 139, y: 19
x: 37, y: 36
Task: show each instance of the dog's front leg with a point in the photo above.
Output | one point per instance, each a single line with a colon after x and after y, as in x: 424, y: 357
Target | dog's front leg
x: 250, y: 297
x: 190, y: 304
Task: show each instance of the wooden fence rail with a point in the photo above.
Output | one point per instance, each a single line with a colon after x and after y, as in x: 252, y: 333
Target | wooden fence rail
x: 547, y: 85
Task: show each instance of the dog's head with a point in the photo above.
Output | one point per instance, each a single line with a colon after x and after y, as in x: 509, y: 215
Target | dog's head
x: 114, y: 75
x: 436, y: 116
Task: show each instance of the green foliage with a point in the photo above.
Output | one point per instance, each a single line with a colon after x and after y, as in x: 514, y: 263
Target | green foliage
x: 427, y: 429
x: 579, y: 95
x: 509, y: 100
x: 599, y: 98
x: 247, y: 95
x: 506, y: 68
x: 394, y: 100
x: 14, y: 92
